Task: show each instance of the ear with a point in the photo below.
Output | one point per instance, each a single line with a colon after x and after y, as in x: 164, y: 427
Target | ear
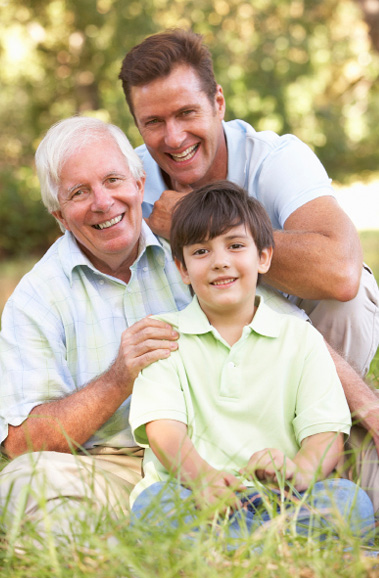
x: 59, y: 216
x: 220, y: 102
x: 183, y: 271
x: 141, y: 186
x: 264, y: 260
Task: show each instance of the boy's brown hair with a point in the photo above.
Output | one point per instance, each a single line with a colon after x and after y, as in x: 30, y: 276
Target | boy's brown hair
x: 213, y: 209
x: 158, y: 55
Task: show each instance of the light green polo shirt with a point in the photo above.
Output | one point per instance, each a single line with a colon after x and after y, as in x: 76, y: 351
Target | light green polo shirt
x: 276, y: 386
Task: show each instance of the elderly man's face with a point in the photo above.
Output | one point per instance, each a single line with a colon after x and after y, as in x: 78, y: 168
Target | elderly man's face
x: 100, y: 203
x: 181, y: 128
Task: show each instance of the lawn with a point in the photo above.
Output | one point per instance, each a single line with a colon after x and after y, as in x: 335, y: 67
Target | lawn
x: 112, y: 549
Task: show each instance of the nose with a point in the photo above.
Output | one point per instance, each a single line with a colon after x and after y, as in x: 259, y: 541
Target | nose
x: 101, y: 200
x: 220, y: 260
x: 174, y: 134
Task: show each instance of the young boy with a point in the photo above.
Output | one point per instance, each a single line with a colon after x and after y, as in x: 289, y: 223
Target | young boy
x: 250, y: 394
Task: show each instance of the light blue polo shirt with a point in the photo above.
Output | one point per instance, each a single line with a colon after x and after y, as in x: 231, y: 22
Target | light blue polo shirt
x: 280, y: 171
x: 276, y: 386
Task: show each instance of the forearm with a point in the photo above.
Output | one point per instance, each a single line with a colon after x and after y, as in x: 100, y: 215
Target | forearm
x: 318, y: 254
x: 169, y: 441
x: 65, y: 424
x: 310, y: 266
x: 317, y: 458
x: 363, y: 401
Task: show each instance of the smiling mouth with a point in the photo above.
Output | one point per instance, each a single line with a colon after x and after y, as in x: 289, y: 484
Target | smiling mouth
x: 109, y: 223
x: 224, y: 281
x: 185, y: 155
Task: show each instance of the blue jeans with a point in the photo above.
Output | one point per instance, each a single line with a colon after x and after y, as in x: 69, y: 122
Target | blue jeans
x: 314, y: 512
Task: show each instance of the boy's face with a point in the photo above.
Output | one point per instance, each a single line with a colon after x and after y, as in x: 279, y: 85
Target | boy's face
x: 224, y: 271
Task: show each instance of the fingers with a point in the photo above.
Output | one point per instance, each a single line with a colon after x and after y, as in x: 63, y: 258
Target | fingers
x: 144, y: 343
x: 269, y: 464
x: 160, y: 218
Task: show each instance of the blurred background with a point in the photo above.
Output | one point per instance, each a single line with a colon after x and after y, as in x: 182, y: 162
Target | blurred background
x: 305, y: 67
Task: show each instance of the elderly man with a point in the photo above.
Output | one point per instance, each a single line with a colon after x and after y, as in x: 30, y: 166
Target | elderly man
x: 75, y: 333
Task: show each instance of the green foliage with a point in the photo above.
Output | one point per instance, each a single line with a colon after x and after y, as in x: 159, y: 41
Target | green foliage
x: 286, y: 65
x: 25, y: 226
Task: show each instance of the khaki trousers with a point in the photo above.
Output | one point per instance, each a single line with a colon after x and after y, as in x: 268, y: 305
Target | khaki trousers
x: 62, y: 492
x: 352, y: 327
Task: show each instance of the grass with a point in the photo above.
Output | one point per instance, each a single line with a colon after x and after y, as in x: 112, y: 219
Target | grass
x: 143, y: 551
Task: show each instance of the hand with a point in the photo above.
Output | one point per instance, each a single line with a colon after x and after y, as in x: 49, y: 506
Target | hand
x: 267, y: 464
x: 160, y: 218
x: 219, y: 488
x: 141, y: 344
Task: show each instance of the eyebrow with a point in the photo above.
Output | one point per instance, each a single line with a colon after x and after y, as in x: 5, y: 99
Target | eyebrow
x: 112, y: 173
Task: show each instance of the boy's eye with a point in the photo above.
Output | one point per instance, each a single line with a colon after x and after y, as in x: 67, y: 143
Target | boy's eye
x: 200, y: 252
x: 236, y: 245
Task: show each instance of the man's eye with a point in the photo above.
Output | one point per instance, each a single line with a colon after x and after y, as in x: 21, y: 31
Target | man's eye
x: 152, y: 122
x: 79, y: 195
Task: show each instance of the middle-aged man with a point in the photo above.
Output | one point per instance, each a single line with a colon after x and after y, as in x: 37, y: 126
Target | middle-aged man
x: 75, y: 333
x: 179, y: 109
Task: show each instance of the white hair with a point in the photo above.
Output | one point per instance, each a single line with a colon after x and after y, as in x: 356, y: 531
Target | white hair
x: 66, y: 138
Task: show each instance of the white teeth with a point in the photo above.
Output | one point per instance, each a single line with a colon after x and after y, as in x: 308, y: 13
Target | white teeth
x: 108, y: 223
x: 185, y: 155
x: 224, y: 282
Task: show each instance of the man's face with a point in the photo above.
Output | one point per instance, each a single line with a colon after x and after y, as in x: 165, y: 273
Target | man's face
x: 181, y: 128
x: 100, y: 203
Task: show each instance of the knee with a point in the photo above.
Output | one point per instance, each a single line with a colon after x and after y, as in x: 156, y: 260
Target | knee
x: 352, y: 503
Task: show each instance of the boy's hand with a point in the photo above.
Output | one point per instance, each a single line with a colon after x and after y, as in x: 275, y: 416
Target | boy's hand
x: 218, y: 488
x: 267, y: 464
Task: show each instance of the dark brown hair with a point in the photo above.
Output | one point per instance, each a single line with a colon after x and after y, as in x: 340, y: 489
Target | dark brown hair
x: 213, y: 209
x: 158, y: 55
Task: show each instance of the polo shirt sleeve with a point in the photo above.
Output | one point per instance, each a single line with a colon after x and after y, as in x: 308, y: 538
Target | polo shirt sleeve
x: 158, y: 394
x: 321, y: 404
x: 33, y: 369
x: 290, y: 176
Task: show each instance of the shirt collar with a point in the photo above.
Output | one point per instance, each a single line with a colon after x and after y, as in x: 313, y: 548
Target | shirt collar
x: 235, y: 135
x: 266, y: 322
x: 71, y: 255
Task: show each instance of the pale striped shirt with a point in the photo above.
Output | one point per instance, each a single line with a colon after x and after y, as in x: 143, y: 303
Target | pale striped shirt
x: 62, y: 327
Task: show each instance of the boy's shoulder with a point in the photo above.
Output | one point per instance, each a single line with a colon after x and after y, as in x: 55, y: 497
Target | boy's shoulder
x: 190, y: 319
x: 171, y: 318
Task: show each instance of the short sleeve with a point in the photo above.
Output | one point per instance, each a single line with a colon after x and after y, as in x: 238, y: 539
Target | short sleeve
x: 321, y: 404
x: 290, y: 176
x: 158, y: 394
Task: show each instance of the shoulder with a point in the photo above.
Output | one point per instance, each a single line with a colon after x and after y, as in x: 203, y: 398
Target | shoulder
x: 44, y: 283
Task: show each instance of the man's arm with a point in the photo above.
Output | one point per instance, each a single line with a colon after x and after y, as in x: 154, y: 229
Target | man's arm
x: 69, y: 422
x: 318, y: 254
x: 160, y: 218
x: 363, y: 401
x: 170, y: 443
x: 316, y: 459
